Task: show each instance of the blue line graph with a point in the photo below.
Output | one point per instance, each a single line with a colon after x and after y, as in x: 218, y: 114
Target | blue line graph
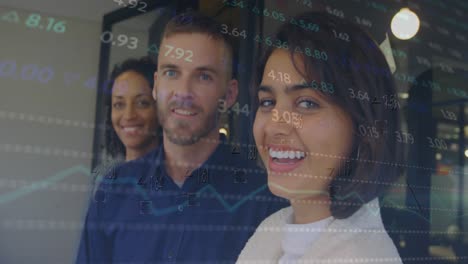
x: 207, y: 188
x: 24, y: 191
x: 11, y: 196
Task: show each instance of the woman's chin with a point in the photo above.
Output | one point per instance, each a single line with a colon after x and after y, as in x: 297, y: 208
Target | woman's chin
x: 280, y: 190
x: 135, y: 143
x: 297, y: 191
x: 132, y: 143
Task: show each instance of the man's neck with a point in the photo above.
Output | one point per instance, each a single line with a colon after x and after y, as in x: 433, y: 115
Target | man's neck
x: 181, y: 160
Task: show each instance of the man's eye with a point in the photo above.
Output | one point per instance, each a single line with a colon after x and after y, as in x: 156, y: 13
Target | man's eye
x: 205, y: 77
x: 170, y: 73
x: 266, y: 103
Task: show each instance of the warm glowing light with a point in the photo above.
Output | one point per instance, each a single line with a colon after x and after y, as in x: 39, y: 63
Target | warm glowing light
x: 405, y: 24
x: 466, y: 153
x: 223, y: 131
x: 403, y: 95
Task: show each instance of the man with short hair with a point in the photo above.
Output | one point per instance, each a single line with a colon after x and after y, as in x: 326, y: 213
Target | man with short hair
x: 193, y: 199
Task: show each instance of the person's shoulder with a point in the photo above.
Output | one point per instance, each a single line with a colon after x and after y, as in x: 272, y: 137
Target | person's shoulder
x: 354, y: 244
x: 104, y: 167
x: 367, y: 246
x: 237, y: 162
x: 127, y: 174
x: 102, y: 171
x: 276, y: 220
x: 248, y: 166
x: 265, y: 244
x: 360, y: 236
x: 142, y: 163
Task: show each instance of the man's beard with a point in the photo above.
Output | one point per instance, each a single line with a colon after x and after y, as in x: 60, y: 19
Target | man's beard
x: 207, y: 125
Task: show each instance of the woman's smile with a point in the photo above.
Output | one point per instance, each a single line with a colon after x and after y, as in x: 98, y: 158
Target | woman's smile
x: 283, y: 159
x: 132, y: 130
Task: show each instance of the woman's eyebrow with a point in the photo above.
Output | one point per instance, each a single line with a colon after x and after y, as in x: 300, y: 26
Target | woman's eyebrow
x: 264, y: 88
x: 297, y: 87
x: 289, y: 89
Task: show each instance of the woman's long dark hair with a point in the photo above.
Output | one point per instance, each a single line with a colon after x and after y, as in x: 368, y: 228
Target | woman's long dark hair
x: 358, y: 64
x: 146, y: 68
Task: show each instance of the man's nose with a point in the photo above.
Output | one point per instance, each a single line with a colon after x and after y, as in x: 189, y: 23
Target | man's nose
x: 184, y: 89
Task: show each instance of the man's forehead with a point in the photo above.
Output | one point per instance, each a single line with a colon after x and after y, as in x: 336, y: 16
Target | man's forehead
x: 192, y: 49
x: 188, y: 34
x: 197, y: 42
x: 188, y: 39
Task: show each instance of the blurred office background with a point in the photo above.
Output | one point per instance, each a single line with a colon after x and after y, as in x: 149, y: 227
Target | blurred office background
x: 55, y: 58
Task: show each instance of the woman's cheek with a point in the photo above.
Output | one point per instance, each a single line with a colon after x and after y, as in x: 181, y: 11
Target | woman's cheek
x: 114, y: 119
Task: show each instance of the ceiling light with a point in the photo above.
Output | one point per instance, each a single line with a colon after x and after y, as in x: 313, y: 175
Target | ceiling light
x: 405, y: 24
x: 223, y: 131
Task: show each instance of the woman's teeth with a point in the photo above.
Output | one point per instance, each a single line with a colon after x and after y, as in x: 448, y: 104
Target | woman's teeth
x: 131, y: 129
x: 281, y: 154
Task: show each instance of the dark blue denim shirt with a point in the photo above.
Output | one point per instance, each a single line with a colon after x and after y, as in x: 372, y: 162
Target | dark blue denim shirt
x: 139, y: 215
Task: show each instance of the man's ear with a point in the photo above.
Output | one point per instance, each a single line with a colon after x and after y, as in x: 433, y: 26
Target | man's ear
x: 154, y: 85
x: 232, y: 92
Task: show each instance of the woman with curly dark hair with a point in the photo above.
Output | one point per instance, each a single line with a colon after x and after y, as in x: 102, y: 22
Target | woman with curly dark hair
x: 132, y: 126
x: 327, y: 148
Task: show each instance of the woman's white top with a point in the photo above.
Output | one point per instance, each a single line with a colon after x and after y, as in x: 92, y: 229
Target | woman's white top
x: 295, y: 242
x: 360, y: 238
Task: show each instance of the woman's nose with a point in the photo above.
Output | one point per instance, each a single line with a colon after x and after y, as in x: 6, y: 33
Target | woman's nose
x: 280, y: 122
x: 130, y: 112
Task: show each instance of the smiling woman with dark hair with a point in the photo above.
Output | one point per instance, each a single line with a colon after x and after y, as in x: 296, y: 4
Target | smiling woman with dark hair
x: 132, y: 126
x: 324, y: 147
x: 132, y: 111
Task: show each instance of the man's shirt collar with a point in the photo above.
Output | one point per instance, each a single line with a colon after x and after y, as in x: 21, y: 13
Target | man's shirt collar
x: 221, y: 155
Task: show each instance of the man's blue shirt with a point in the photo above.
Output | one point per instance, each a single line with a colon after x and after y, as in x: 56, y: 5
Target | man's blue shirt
x: 139, y: 215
